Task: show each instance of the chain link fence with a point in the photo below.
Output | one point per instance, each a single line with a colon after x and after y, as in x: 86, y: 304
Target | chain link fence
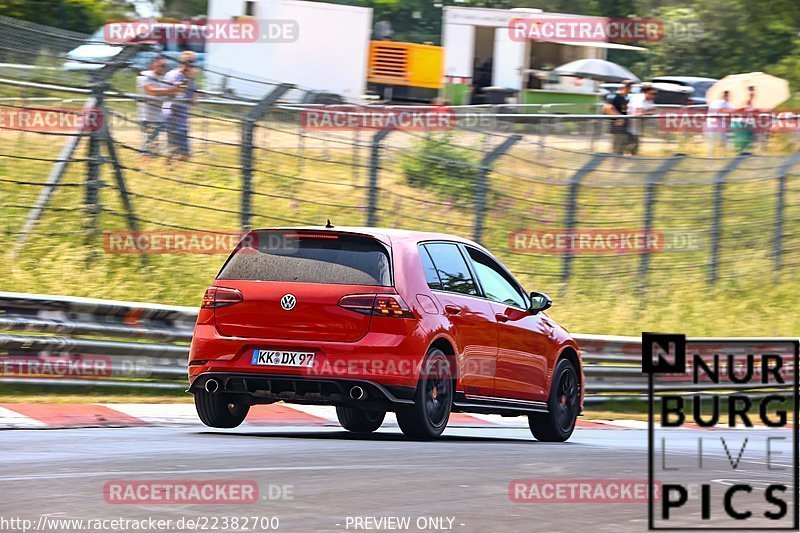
x: 541, y: 189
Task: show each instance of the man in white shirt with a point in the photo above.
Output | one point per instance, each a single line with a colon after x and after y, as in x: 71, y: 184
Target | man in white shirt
x: 640, y: 105
x: 154, y: 90
x: 717, y: 123
x: 177, y: 110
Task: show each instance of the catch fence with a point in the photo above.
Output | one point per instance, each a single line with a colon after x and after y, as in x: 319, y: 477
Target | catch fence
x: 538, y: 186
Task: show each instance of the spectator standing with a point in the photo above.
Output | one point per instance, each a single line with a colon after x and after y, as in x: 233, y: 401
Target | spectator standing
x: 623, y: 140
x: 643, y: 104
x: 716, y: 129
x: 153, y: 90
x: 744, y: 129
x: 176, y: 111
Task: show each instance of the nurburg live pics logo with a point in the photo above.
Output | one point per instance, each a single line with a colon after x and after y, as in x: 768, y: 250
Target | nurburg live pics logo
x: 722, y: 433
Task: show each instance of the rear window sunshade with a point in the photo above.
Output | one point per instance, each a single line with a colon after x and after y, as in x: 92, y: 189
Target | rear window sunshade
x: 308, y: 257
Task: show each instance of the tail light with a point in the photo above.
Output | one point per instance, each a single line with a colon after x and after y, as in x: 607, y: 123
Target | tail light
x: 220, y: 297
x: 389, y: 305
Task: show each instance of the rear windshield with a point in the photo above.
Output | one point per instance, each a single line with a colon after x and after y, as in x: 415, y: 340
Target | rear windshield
x: 309, y: 258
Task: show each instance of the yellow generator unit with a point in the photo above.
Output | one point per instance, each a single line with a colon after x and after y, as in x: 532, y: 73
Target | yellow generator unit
x: 405, y: 71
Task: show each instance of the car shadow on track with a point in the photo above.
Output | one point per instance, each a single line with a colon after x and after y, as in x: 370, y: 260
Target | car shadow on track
x: 372, y: 437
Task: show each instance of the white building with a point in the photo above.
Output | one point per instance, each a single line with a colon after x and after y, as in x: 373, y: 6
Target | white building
x: 479, y: 50
x: 328, y: 54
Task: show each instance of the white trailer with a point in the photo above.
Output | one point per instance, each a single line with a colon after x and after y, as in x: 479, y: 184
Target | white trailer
x: 479, y: 52
x: 328, y: 55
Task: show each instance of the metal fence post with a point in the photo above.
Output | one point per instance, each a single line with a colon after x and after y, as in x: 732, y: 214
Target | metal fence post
x: 649, y: 205
x: 780, y: 205
x: 716, y: 228
x: 53, y: 179
x: 301, y: 149
x: 246, y: 152
x: 93, y: 103
x: 119, y: 177
x: 374, y: 167
x: 482, y: 185
x: 572, y: 206
x: 94, y: 162
x: 356, y: 155
x: 545, y: 125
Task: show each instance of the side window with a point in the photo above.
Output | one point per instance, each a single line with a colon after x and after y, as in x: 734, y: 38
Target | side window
x: 495, y: 282
x: 452, y: 268
x: 430, y: 271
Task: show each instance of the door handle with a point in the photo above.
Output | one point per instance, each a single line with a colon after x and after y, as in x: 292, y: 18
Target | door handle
x: 452, y: 309
x: 501, y: 317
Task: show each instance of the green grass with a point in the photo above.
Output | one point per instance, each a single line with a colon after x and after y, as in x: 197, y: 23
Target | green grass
x: 12, y: 393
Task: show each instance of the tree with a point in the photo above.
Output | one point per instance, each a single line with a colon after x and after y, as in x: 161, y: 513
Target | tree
x: 83, y: 16
x: 734, y: 38
x: 181, y: 9
x: 788, y: 68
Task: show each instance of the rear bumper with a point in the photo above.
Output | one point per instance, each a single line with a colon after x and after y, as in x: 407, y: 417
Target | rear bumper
x: 267, y: 388
x: 387, y: 359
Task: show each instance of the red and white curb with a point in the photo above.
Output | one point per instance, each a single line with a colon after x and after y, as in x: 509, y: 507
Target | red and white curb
x: 51, y: 416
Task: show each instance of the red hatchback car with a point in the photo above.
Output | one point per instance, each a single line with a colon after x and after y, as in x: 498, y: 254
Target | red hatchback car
x: 374, y: 320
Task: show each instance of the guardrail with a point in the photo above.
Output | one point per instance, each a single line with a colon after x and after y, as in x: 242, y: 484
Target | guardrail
x: 106, y: 343
x: 71, y: 341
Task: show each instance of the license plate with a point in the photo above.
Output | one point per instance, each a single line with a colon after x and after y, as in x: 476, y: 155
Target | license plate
x: 279, y: 358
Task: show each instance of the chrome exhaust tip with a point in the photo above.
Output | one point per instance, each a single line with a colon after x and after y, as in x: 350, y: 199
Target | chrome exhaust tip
x: 357, y: 393
x: 211, y: 386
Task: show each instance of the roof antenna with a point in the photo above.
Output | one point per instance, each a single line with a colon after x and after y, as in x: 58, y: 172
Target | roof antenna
x: 329, y: 225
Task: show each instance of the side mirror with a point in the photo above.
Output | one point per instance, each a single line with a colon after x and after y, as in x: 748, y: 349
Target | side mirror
x: 539, y: 302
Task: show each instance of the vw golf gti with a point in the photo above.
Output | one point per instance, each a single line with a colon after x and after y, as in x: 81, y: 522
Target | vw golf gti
x: 374, y: 320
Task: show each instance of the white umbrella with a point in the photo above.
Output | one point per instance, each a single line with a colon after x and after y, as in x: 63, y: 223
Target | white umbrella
x: 770, y: 91
x: 596, y: 69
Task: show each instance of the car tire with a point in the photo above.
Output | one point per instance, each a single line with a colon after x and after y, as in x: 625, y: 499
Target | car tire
x: 563, y: 405
x: 359, y: 420
x: 433, y: 400
x: 218, y: 410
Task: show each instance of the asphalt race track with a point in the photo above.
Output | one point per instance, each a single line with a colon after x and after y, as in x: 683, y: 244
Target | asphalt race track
x: 333, y: 476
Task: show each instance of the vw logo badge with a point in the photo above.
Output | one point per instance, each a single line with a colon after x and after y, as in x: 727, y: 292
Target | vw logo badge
x: 288, y: 302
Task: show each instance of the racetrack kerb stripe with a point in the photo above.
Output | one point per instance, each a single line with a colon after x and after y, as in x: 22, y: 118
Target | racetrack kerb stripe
x: 281, y: 414
x: 74, y: 415
x: 127, y: 415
